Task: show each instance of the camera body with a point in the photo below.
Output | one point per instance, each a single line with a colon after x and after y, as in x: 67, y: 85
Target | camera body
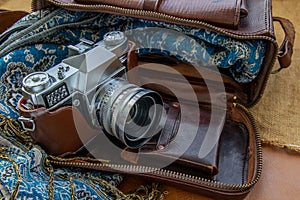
x: 88, y: 66
x: 93, y: 79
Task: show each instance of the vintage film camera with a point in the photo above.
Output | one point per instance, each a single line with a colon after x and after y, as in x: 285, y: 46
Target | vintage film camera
x: 93, y: 79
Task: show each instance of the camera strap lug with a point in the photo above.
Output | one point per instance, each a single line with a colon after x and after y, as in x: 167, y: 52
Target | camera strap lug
x: 27, y: 123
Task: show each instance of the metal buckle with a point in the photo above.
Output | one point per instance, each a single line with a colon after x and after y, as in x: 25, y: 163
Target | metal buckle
x: 25, y: 121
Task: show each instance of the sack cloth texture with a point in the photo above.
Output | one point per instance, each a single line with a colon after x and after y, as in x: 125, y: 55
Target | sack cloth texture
x: 278, y: 112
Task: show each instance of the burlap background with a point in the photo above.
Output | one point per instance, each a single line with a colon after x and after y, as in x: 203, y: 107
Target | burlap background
x: 278, y: 112
x: 16, y: 5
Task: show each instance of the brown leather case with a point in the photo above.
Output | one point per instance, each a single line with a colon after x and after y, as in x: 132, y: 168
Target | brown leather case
x: 8, y: 18
x: 234, y: 164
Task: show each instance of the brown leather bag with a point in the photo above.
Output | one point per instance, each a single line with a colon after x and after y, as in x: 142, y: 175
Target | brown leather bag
x: 234, y: 164
x: 8, y: 18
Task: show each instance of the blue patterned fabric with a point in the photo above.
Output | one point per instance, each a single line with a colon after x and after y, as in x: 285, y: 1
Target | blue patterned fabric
x: 39, y: 41
x: 26, y: 173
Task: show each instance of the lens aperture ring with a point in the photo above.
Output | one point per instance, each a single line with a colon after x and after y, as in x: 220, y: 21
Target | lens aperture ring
x: 103, y: 108
x: 121, y: 102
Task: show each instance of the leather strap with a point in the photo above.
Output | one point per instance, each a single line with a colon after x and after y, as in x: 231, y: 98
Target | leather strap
x: 8, y: 18
x: 171, y: 126
x: 286, y: 49
x: 132, y: 57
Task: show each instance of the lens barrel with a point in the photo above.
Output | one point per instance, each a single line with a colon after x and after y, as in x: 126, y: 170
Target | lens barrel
x: 130, y: 113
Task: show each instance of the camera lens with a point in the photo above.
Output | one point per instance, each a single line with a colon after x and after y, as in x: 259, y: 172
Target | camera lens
x: 140, y: 113
x: 130, y: 113
x: 140, y: 119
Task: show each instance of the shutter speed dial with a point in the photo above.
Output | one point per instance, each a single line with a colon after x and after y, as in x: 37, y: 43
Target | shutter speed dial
x: 36, y: 82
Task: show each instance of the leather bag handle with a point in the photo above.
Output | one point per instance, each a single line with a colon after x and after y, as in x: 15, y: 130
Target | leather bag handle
x: 286, y: 49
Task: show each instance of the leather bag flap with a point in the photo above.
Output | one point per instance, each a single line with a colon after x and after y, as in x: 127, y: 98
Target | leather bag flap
x: 224, y: 13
